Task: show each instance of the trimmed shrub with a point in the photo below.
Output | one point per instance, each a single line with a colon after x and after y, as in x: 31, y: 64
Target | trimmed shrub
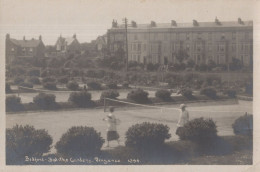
x: 112, y: 85
x: 72, y: 85
x: 139, y: 96
x: 7, y: 88
x: 81, y: 99
x: 34, y: 80
x: 94, y: 85
x: 18, y: 80
x: 125, y: 85
x: 112, y: 94
x: 80, y: 141
x: 34, y: 72
x: 147, y: 135
x: 209, y: 91
x: 163, y: 95
x: 243, y: 125
x: 63, y: 80
x: 45, y: 101
x: 198, y: 130
x: 48, y: 79
x: 50, y: 85
x: 186, y: 93
x: 24, y: 141
x: 13, y: 103
x: 26, y: 84
x: 230, y: 93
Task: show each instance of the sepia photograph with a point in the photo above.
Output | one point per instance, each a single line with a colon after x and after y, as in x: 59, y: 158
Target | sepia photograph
x: 128, y: 82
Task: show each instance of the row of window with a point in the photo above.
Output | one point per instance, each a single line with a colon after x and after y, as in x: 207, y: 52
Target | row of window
x: 183, y: 36
x: 218, y: 59
x: 24, y: 49
x: 197, y: 47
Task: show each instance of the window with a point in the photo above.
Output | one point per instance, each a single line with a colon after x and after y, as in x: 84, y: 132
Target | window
x: 31, y: 49
x: 12, y: 49
x: 188, y: 47
x: 199, y: 35
x: 144, y: 47
x: 135, y: 37
x: 233, y: 47
x: 173, y: 47
x: 187, y: 36
x: 234, y: 35
x: 223, y: 36
x: 246, y: 48
x: 210, y: 36
x: 23, y: 49
x: 145, y: 36
x: 156, y: 36
x: 165, y: 36
x: 210, y: 47
x: 222, y: 48
x: 138, y: 58
x: 139, y: 47
x: 134, y: 47
x: 246, y: 35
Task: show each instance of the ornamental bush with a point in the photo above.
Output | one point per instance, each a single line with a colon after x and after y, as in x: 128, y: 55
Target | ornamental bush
x: 209, y: 91
x: 18, y: 80
x: 138, y: 95
x: 243, y: 125
x: 72, y: 85
x: 81, y: 99
x: 63, y: 80
x: 112, y: 85
x: 50, y: 86
x: 198, y: 130
x: 13, y: 103
x: 34, y: 72
x: 94, y: 85
x: 147, y: 135
x: 26, y: 84
x: 112, y: 94
x: 8, y: 88
x: 164, y: 95
x: 185, y: 92
x: 45, y: 101
x: 34, y: 80
x: 230, y: 93
x: 80, y: 141
x: 24, y: 141
x: 48, y: 79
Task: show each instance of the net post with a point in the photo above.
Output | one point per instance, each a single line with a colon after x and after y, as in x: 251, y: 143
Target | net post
x: 104, y: 104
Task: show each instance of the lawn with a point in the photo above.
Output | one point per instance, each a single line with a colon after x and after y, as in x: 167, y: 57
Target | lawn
x: 58, y: 122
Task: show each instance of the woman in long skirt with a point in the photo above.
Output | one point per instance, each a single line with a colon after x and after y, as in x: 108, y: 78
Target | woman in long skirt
x: 112, y: 122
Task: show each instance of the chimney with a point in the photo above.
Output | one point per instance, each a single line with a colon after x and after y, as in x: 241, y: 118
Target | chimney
x: 195, y: 23
x: 217, y: 21
x: 173, y: 23
x: 153, y: 24
x: 40, y: 37
x: 7, y: 36
x: 134, y: 24
x: 74, y: 36
x: 239, y: 20
x: 24, y: 38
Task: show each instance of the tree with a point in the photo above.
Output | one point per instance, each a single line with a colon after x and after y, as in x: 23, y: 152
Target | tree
x: 235, y: 64
x: 181, y: 55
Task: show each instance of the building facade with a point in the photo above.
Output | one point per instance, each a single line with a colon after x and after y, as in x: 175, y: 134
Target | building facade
x: 202, y: 41
x: 32, y: 48
x: 68, y: 45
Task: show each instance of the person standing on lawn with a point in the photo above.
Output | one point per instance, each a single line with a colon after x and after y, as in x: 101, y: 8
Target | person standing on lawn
x: 112, y: 122
x: 183, y: 119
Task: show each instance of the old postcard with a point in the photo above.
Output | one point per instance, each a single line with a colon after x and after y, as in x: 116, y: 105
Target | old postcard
x: 129, y: 85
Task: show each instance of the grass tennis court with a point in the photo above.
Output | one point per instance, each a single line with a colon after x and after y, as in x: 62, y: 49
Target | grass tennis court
x: 58, y: 122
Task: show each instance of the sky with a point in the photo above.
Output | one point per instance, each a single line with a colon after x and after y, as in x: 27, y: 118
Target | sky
x: 91, y: 18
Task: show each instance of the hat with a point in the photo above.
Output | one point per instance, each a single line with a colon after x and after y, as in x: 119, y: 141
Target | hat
x: 182, y: 106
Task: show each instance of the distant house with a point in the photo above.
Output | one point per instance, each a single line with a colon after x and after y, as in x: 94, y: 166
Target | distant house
x: 101, y: 42
x: 32, y: 48
x: 68, y: 45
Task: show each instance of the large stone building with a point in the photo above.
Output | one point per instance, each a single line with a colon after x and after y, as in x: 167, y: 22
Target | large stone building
x: 24, y: 48
x: 202, y: 41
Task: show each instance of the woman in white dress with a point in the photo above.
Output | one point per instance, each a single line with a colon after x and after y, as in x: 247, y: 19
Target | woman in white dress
x: 183, y: 119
